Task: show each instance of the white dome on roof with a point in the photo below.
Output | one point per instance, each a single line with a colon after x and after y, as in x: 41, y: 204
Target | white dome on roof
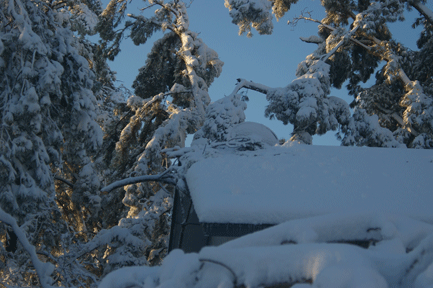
x: 255, y: 131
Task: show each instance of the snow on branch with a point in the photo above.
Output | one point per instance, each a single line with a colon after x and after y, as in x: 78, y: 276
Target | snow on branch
x: 394, y: 67
x: 427, y: 13
x: 329, y: 27
x: 43, y: 270
x: 385, y: 56
x: 242, y: 83
x: 312, y: 39
x: 342, y: 41
x: 165, y: 177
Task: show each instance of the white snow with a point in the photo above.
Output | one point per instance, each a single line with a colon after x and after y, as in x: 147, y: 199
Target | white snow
x: 263, y: 258
x: 43, y: 269
x: 285, y: 183
x: 254, y: 131
x: 129, y: 277
x: 325, y: 198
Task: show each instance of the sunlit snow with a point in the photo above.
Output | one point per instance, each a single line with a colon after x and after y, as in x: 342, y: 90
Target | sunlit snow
x: 284, y: 183
x: 324, y: 198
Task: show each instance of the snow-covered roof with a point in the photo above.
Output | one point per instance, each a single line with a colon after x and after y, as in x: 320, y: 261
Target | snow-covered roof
x: 290, y: 182
x: 327, y: 197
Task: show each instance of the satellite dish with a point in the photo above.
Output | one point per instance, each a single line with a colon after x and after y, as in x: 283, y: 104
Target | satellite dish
x: 254, y: 131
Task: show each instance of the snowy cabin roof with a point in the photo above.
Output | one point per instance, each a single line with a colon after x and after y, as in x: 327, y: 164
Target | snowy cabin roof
x: 283, y: 183
x: 327, y: 197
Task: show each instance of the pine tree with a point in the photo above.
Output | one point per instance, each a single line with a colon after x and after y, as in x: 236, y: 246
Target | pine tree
x: 353, y: 41
x: 170, y: 102
x: 49, y: 195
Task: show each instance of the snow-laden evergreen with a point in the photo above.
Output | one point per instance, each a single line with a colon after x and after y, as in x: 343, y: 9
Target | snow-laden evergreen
x: 56, y: 92
x: 256, y: 14
x: 251, y: 14
x: 400, y: 102
x: 66, y: 130
x: 48, y: 131
x: 170, y: 102
x: 221, y: 116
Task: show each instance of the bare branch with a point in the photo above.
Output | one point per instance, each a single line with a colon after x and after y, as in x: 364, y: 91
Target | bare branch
x: 148, y: 7
x: 312, y: 39
x: 164, y: 177
x: 64, y: 181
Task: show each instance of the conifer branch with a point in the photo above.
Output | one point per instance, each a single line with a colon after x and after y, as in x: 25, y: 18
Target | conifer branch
x: 397, y: 118
x: 329, y: 28
x: 166, y: 6
x: 402, y: 76
x: 345, y: 37
x: 242, y: 83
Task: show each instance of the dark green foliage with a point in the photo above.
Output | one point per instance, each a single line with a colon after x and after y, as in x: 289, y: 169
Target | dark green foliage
x: 338, y: 68
x: 162, y: 70
x: 363, y: 66
x: 280, y: 7
x: 401, y: 99
x: 337, y: 12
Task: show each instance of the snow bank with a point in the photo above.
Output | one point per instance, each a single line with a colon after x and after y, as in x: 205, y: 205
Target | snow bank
x: 284, y: 183
x: 304, y: 253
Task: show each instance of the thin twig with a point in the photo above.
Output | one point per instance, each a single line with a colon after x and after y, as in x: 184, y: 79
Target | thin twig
x: 147, y: 7
x: 332, y: 29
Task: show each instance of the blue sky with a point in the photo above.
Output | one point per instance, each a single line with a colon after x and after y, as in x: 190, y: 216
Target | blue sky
x: 267, y: 59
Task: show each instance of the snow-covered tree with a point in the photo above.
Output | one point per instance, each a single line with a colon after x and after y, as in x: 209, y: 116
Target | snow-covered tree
x: 256, y: 14
x: 170, y: 102
x: 221, y: 116
x: 49, y: 184
x: 353, y: 41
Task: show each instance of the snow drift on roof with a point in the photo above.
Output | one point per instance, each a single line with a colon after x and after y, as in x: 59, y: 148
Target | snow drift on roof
x: 255, y: 131
x: 284, y: 183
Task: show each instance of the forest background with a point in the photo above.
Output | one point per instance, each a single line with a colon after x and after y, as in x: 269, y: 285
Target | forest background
x: 272, y: 59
